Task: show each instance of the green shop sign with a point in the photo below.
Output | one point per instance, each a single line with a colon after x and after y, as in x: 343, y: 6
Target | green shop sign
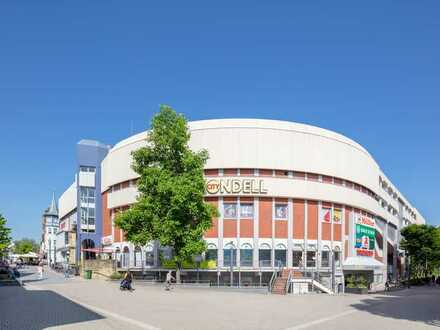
x: 365, y: 237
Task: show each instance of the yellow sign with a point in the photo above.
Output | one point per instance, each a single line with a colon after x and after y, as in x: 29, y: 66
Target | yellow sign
x: 235, y: 186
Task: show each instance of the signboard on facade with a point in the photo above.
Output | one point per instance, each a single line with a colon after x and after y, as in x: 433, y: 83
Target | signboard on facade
x: 365, y: 236
x: 337, y: 215
x: 326, y: 215
x: 235, y: 186
x: 107, y: 240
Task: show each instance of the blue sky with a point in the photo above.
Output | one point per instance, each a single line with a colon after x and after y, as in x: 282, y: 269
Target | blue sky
x: 87, y: 69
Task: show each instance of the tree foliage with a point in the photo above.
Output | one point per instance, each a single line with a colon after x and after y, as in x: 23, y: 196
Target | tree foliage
x: 25, y: 245
x: 170, y: 207
x: 422, y: 243
x: 5, y: 238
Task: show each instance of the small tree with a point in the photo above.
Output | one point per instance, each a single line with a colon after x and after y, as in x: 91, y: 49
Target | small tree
x: 170, y: 207
x: 5, y: 238
x: 422, y: 243
x: 25, y: 245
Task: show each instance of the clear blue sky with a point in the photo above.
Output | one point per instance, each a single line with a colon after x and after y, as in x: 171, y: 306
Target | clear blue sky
x: 85, y: 69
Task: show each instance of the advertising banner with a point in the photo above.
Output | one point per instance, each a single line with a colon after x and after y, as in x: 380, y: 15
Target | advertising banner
x: 365, y: 236
x: 337, y: 216
x: 326, y: 214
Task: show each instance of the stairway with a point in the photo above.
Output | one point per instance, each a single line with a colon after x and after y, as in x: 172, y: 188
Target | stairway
x: 279, y: 285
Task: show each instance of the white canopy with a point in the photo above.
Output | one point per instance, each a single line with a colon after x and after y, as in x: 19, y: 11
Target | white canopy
x: 362, y: 263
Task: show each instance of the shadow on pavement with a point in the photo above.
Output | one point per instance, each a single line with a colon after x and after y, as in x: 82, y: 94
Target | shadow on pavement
x: 23, y: 309
x: 418, y: 305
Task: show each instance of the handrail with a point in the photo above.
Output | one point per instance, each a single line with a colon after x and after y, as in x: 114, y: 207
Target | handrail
x: 289, y: 277
x: 272, y: 280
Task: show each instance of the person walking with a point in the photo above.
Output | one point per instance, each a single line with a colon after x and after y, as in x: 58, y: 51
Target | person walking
x: 168, y: 280
x: 40, y: 270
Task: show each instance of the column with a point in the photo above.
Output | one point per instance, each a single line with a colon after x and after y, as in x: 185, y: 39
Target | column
x: 289, y: 232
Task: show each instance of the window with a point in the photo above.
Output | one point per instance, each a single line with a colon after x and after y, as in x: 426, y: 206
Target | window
x: 280, y: 211
x: 230, y: 210
x: 246, y: 256
x: 211, y: 254
x: 297, y: 258
x: 149, y: 258
x: 87, y: 194
x: 325, y: 258
x: 265, y: 257
x: 87, y: 219
x: 89, y: 169
x: 247, y: 210
x: 227, y: 257
x: 337, y: 256
x: 280, y: 257
x: 311, y: 259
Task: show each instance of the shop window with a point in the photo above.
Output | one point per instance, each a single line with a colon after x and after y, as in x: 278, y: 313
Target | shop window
x: 297, y: 257
x: 349, y: 184
x: 325, y: 258
x: 265, y: 257
x: 149, y: 258
x: 246, y: 256
x: 211, y: 255
x: 337, y: 256
x: 230, y: 210
x: 281, y: 211
x: 280, y: 257
x: 229, y: 255
x: 247, y: 210
x: 311, y: 259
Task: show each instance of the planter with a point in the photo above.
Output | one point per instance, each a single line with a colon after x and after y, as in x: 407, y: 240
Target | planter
x: 357, y: 290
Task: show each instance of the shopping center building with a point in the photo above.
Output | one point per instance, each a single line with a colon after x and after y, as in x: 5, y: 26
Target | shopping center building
x: 288, y: 194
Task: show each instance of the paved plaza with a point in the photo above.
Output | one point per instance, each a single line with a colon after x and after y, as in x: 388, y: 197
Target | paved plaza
x: 58, y: 303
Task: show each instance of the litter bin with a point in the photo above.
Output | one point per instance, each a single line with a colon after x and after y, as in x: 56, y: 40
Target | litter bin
x: 88, y: 274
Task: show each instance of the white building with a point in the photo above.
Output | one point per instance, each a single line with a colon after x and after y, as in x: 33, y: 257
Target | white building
x: 49, y: 234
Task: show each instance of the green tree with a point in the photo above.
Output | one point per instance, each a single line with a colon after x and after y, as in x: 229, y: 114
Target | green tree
x: 25, y: 245
x: 422, y: 243
x: 5, y: 238
x: 170, y: 207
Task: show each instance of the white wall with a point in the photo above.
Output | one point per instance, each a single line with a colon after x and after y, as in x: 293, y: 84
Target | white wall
x: 67, y: 201
x: 269, y: 144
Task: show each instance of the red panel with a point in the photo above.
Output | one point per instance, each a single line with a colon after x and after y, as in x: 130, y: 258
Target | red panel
x: 299, y: 175
x: 298, y: 219
x: 265, y: 217
x: 281, y: 229
x: 312, y: 221
x: 347, y: 219
x: 246, y: 228
x: 337, y: 234
x: 229, y: 228
x: 326, y: 231
x: 230, y: 172
x: 247, y: 172
x: 312, y: 176
x: 211, y: 172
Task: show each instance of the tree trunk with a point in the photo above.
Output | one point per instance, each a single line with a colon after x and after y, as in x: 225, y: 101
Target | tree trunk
x: 179, y: 267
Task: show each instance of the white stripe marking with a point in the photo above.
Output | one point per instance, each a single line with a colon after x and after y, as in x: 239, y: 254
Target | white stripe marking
x: 319, y: 321
x: 139, y: 324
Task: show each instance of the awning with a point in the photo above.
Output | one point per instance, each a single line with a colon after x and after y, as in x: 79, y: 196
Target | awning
x: 362, y: 263
x: 98, y: 250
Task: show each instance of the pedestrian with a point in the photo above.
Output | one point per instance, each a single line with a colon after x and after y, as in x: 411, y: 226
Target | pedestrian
x: 127, y: 280
x: 40, y: 270
x: 168, y: 280
x: 66, y: 270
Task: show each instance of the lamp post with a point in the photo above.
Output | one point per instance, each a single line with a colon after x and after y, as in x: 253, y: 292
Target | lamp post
x: 230, y: 261
x: 198, y: 259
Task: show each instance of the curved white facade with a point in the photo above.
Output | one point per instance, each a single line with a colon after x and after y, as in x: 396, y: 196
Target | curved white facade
x: 277, y: 145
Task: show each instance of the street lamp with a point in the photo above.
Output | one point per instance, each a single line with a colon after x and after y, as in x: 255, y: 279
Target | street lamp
x: 198, y: 259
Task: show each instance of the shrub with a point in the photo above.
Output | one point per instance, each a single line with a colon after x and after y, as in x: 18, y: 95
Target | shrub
x: 116, y: 276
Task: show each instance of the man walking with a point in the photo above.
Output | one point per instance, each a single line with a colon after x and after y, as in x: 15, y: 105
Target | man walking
x: 168, y: 280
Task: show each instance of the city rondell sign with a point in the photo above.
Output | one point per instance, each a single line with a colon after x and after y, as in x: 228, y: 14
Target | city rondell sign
x: 235, y: 186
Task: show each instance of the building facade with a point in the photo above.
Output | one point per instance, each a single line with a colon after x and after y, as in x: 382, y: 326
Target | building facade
x: 81, y: 204
x: 288, y: 195
x: 50, y: 227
